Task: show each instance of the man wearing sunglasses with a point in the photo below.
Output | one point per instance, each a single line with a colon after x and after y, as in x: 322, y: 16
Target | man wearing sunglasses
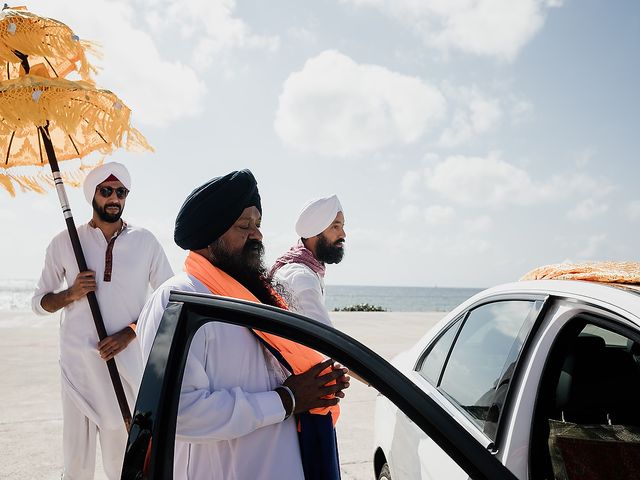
x: 124, y: 261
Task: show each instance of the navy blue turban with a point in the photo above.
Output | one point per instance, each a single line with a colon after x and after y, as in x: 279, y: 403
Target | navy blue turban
x: 211, y: 209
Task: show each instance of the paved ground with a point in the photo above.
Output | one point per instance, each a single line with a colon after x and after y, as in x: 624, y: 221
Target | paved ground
x: 30, y: 413
x: 387, y: 334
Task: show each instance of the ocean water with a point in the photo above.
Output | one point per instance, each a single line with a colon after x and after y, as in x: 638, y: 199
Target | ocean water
x: 399, y: 299
x: 15, y: 296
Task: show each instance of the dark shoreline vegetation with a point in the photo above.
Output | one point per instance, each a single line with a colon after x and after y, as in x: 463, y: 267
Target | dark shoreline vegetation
x: 361, y: 307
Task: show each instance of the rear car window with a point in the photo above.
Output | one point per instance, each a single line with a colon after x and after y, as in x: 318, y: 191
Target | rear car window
x: 436, y: 356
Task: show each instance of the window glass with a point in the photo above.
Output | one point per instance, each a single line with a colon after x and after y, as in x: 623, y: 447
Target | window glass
x: 481, y: 364
x: 610, y: 338
x: 437, y: 354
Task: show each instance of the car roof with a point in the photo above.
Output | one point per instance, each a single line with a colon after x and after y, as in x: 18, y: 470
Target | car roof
x: 623, y: 299
x: 618, y: 296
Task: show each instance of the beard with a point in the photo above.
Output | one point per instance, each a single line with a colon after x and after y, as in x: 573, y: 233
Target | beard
x: 328, y: 252
x: 104, y: 215
x: 247, y: 267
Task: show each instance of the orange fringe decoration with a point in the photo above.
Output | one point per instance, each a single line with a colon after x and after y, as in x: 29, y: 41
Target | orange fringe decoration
x: 39, y: 180
x: 45, y: 41
x: 80, y: 119
x: 609, y: 272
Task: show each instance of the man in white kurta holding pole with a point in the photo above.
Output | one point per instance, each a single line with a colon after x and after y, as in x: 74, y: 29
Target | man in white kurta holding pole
x: 124, y: 261
x: 320, y: 228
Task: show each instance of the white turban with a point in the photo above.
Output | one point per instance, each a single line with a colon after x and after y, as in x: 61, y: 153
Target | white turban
x: 317, y: 215
x: 100, y: 174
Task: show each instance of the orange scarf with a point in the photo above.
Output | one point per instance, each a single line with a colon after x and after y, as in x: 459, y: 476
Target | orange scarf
x: 300, y: 357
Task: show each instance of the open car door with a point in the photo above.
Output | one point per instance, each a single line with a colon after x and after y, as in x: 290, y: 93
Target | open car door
x: 149, y: 453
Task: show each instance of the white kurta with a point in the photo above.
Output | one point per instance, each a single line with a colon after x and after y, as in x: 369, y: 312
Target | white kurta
x: 138, y: 262
x: 307, y: 290
x: 230, y: 420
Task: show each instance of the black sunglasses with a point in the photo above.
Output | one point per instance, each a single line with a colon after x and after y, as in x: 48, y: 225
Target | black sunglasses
x: 106, y: 192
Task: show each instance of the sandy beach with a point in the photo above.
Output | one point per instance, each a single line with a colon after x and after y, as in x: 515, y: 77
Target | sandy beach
x: 31, y: 418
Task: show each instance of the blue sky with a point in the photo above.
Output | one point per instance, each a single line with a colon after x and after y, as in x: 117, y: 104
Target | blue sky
x: 469, y: 141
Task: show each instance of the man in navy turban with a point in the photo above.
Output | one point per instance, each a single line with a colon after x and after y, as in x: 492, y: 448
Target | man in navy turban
x: 238, y: 404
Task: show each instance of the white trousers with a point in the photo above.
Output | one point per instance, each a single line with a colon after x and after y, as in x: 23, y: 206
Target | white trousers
x: 79, y: 445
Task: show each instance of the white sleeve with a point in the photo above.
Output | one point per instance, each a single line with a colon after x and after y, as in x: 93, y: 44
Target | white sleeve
x: 161, y: 270
x: 207, y: 415
x: 307, y: 293
x: 51, y: 278
x: 149, y: 320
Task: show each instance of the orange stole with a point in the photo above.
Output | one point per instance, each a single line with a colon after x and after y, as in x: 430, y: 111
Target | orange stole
x: 300, y: 357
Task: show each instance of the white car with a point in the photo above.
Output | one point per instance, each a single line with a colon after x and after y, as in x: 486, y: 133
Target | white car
x: 544, y: 374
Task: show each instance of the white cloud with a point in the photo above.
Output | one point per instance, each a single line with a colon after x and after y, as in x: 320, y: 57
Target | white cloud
x: 585, y: 157
x: 633, y: 210
x: 409, y: 213
x: 592, y: 248
x: 521, y: 110
x: 336, y: 106
x: 562, y: 186
x: 478, y: 224
x: 159, y: 91
x: 436, y: 242
x: 411, y: 183
x: 209, y: 24
x: 438, y: 214
x: 498, y: 28
x: 159, y: 84
x: 479, y: 114
x: 492, y: 182
x: 478, y: 181
x: 6, y: 214
x: 151, y: 92
x: 587, y: 209
x: 463, y: 246
x: 302, y: 35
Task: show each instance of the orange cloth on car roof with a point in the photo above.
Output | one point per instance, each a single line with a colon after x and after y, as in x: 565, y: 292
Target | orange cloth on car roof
x: 610, y: 272
x: 300, y: 357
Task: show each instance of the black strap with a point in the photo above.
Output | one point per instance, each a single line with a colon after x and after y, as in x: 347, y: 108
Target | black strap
x: 274, y: 351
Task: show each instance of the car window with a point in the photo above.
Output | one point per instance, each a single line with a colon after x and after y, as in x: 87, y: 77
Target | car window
x: 610, y: 338
x: 482, y: 360
x: 432, y: 364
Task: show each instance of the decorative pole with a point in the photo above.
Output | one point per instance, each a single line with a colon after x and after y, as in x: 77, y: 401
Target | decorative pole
x: 43, y: 133
x: 82, y: 266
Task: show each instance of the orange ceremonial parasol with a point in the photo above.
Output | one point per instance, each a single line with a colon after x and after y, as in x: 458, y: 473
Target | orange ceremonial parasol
x: 44, y: 41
